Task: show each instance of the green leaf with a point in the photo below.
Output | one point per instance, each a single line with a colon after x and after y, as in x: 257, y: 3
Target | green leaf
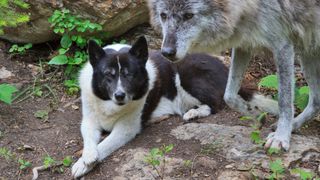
x: 63, y: 51
x: 59, y: 60
x: 42, y: 114
x: 169, y: 148
x: 276, y: 166
x: 246, y: 118
x: 6, y: 91
x: 255, y: 137
x: 304, y: 175
x: 304, y: 90
x: 66, y: 41
x: 270, y: 81
x: 67, y: 161
x: 24, y: 164
x: 48, y: 161
x: 301, y: 101
x: 272, y: 151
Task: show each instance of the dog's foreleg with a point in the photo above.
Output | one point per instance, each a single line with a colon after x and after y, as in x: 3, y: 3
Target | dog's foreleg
x: 202, y: 111
x: 123, y: 131
x: 311, y: 71
x: 91, y: 136
x: 239, y: 64
x: 284, y: 57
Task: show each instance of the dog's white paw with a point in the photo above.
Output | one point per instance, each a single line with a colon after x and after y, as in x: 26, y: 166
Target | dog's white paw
x: 277, y: 142
x: 80, y: 168
x: 90, y: 156
x: 191, y: 114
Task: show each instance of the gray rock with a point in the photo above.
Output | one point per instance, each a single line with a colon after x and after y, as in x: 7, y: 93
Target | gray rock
x: 237, y: 145
x: 234, y: 175
x: 116, y: 17
x: 134, y: 166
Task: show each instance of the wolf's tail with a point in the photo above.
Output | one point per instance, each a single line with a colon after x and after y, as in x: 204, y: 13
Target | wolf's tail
x: 259, y: 101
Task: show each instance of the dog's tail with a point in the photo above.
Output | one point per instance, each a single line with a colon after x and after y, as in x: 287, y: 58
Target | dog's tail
x: 259, y: 101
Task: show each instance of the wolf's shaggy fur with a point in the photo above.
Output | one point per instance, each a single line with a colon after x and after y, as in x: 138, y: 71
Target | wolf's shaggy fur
x: 285, y: 27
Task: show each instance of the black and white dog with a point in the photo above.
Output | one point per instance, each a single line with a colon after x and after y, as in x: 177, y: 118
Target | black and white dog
x: 123, y: 86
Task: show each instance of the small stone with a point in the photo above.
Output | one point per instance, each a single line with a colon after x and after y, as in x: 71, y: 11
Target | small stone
x: 229, y: 166
x: 5, y: 74
x: 75, y: 107
x: 234, y: 175
x: 116, y: 159
x: 158, y: 140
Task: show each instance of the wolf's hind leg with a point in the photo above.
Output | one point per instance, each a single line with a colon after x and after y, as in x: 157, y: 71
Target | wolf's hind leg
x: 239, y: 64
x: 201, y: 111
x: 311, y: 72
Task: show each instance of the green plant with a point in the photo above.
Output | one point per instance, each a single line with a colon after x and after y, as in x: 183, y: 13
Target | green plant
x: 277, y: 169
x: 301, y: 93
x: 6, y: 91
x: 74, y: 31
x: 42, y: 114
x: 304, y: 175
x: 158, y: 155
x: 67, y: 161
x: 48, y: 161
x: 6, y: 153
x: 10, y: 17
x: 16, y: 49
x: 255, y: 135
x: 24, y: 164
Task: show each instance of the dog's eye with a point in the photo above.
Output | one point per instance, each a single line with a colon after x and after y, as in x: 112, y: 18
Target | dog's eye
x: 188, y: 16
x: 110, y: 72
x: 163, y: 16
x: 125, y: 72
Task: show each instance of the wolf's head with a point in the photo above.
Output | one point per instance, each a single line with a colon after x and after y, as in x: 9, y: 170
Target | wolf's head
x: 186, y: 23
x: 119, y: 72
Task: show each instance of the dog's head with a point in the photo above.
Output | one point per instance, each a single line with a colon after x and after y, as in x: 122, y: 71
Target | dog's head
x: 186, y: 23
x: 119, y: 72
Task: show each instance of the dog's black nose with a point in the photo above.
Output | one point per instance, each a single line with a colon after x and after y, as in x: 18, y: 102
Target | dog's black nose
x: 169, y: 52
x: 120, y: 96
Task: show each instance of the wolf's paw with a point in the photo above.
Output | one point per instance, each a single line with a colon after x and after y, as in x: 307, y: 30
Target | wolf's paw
x: 277, y: 142
x: 80, y: 168
x: 90, y: 156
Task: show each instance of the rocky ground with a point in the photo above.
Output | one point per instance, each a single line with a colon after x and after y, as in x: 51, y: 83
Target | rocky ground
x: 216, y: 147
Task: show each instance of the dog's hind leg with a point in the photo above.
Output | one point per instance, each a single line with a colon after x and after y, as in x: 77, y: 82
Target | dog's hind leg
x: 284, y: 56
x: 311, y: 71
x: 239, y: 64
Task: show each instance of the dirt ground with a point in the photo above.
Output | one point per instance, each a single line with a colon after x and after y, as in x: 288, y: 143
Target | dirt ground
x: 31, y: 138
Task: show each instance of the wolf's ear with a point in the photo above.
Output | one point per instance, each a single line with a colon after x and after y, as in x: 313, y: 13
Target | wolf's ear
x: 140, y: 49
x: 95, y: 52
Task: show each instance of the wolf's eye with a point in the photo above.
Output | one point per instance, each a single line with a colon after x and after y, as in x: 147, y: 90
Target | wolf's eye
x: 163, y: 16
x: 188, y: 16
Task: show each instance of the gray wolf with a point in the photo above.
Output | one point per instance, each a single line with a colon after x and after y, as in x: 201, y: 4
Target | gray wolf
x: 124, y: 86
x: 286, y: 28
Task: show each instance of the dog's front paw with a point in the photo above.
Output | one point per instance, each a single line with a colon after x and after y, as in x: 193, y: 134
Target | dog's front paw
x: 80, y: 168
x: 277, y: 142
x: 191, y: 114
x: 90, y: 156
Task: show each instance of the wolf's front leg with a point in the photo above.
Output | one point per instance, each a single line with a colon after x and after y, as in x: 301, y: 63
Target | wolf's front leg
x: 91, y: 136
x: 123, y: 131
x: 285, y: 65
x: 239, y: 64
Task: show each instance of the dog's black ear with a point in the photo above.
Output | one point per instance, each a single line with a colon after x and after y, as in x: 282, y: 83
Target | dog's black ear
x: 140, y: 49
x: 95, y: 52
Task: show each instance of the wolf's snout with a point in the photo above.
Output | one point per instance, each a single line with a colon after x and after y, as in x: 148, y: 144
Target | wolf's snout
x: 169, y: 52
x: 119, y: 96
